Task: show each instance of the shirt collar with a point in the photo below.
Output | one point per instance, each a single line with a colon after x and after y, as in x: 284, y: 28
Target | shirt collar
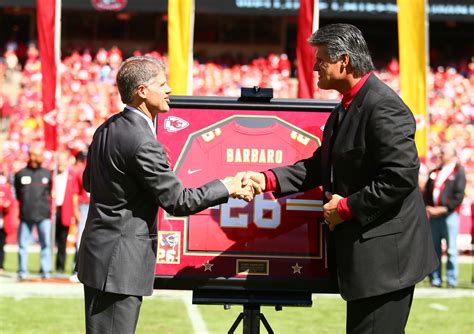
x: 349, y: 96
x: 149, y: 121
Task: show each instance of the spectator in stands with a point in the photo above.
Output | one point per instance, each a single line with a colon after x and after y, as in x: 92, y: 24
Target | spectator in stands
x: 443, y: 195
x: 6, y: 201
x: 5, y: 113
x: 33, y: 190
x: 12, y: 75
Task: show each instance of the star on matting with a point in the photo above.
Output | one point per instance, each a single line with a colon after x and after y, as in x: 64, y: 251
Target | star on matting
x: 297, y: 268
x: 208, y: 266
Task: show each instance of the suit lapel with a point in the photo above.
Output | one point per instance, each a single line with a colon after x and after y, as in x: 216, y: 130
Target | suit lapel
x: 326, y: 146
x: 329, y: 126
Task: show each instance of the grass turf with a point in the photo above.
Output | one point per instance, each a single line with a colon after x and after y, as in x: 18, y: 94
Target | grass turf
x: 168, y: 315
x: 327, y: 316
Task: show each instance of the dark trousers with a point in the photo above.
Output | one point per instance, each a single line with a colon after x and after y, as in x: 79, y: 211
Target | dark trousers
x: 110, y: 313
x: 61, y: 240
x: 387, y: 314
x: 3, y: 237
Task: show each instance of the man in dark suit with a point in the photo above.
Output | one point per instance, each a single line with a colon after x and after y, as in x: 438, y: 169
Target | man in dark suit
x: 368, y: 167
x: 128, y: 178
x: 444, y: 192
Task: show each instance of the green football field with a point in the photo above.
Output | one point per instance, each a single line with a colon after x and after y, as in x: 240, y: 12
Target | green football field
x: 434, y: 311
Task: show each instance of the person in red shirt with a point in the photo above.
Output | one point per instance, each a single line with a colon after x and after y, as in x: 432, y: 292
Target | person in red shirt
x: 83, y: 200
x: 66, y: 190
x: 6, y: 201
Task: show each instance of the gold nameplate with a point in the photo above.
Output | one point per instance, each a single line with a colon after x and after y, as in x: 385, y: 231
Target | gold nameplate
x: 252, y: 267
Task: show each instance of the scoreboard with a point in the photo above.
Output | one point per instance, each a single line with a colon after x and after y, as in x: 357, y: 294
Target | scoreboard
x: 269, y: 243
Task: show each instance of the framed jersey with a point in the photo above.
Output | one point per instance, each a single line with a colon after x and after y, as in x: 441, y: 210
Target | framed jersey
x: 269, y: 243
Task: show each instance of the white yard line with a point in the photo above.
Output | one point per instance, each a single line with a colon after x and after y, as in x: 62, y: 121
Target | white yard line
x: 195, y: 316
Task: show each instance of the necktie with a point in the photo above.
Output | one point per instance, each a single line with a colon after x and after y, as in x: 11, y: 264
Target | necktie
x: 337, y: 123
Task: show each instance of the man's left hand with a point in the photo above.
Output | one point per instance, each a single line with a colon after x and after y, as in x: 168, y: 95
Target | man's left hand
x: 331, y: 215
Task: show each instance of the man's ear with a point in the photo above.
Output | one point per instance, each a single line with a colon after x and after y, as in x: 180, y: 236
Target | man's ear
x: 141, y: 91
x: 345, y: 61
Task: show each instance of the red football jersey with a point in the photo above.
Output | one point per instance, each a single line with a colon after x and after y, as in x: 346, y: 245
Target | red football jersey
x: 286, y: 227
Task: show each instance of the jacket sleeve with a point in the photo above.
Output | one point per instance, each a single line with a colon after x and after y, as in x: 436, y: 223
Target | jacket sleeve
x: 391, y: 145
x: 153, y: 172
x: 301, y: 176
x: 459, y: 187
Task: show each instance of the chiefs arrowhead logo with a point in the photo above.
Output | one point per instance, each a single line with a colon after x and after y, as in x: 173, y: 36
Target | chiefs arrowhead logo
x: 173, y: 124
x: 51, y: 117
x: 109, y: 4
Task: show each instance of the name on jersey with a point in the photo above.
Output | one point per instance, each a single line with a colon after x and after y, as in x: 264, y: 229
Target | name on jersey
x: 254, y: 155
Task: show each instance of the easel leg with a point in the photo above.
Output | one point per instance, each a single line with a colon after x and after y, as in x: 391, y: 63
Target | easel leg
x: 266, y: 324
x: 236, y: 323
x: 251, y: 317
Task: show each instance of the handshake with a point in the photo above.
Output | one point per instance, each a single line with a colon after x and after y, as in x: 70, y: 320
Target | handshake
x: 245, y: 185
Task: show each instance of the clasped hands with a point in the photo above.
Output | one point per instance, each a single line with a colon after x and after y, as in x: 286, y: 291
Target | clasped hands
x: 436, y: 211
x: 245, y: 185
x: 242, y: 187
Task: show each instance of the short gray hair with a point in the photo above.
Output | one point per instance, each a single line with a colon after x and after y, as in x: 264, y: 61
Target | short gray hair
x: 341, y: 38
x: 136, y: 71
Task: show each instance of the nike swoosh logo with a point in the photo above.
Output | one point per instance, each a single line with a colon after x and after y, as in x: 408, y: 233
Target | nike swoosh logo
x: 192, y: 171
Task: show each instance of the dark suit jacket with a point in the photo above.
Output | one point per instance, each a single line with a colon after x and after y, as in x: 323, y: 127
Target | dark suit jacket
x: 387, y: 246
x: 128, y: 177
x: 452, y: 193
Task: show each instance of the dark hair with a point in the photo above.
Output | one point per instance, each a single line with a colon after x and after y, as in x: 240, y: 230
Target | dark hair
x: 342, y: 38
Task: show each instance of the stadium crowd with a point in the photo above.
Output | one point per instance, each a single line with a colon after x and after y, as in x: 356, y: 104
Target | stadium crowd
x: 89, y: 96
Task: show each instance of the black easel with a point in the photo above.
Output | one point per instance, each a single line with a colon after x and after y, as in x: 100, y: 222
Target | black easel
x: 251, y: 317
x: 251, y: 302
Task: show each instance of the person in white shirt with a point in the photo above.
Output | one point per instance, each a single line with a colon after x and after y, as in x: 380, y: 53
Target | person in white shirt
x: 62, y: 227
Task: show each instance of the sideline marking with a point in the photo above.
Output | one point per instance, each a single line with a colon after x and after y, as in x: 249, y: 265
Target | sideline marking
x: 195, y: 316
